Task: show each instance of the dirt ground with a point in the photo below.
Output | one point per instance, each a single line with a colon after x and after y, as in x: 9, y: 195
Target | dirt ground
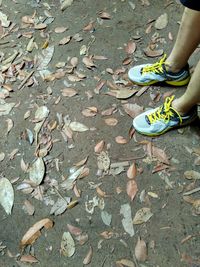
x: 80, y: 82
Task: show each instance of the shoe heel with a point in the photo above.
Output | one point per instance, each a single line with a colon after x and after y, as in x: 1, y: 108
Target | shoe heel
x: 179, y: 83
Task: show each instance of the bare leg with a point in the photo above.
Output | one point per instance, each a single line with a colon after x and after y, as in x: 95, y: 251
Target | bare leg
x: 191, y: 96
x: 187, y: 40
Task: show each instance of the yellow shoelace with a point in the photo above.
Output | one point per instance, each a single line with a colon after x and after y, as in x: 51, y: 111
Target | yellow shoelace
x: 156, y: 67
x: 164, y: 112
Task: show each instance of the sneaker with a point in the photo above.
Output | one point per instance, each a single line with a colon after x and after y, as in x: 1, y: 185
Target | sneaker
x: 162, y: 119
x: 148, y: 74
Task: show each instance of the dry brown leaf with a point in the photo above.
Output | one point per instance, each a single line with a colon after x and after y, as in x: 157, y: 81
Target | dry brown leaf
x: 34, y: 232
x: 28, y: 258
x: 69, y: 92
x: 132, y: 171
x: 153, y: 53
x: 40, y: 26
x: 104, y: 15
x: 124, y: 93
x: 74, y: 230
x: 130, y: 47
x: 89, y: 26
x: 131, y: 189
x: 142, y: 216
x: 60, y: 29
x: 28, y: 19
x: 65, y: 40
x: 120, y: 140
x: 10, y: 125
x: 99, y: 146
x: 89, y: 112
x: 111, y: 121
x: 160, y: 155
x: 74, y: 62
x: 127, y: 61
x: 126, y: 263
x: 141, y: 250
x: 132, y: 109
x: 88, y: 62
x: 100, y: 192
x: 88, y: 257
x: 108, y: 112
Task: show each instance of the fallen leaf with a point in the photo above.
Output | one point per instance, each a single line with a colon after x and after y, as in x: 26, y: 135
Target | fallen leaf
x: 69, y: 92
x: 103, y: 161
x: 106, y: 217
x: 131, y: 189
x: 132, y: 171
x: 104, y: 15
x: 2, y: 156
x: 111, y: 121
x: 153, y: 53
x: 142, y: 216
x: 60, y: 29
x: 132, y: 109
x: 99, y: 146
x: 127, y: 223
x: 78, y: 127
x: 88, y: 257
x: 192, y: 175
x: 141, y: 250
x: 6, y: 195
x: 60, y: 206
x: 65, y: 40
x: 37, y: 171
x: 40, y: 26
x: 10, y: 125
x: 120, y: 140
x: 88, y: 62
x: 130, y: 47
x: 28, y: 258
x: 89, y: 112
x: 74, y: 230
x: 65, y: 4
x: 67, y: 245
x: 89, y: 26
x: 161, y: 21
x: 124, y: 93
x: 28, y: 207
x: 126, y: 263
x: 34, y: 232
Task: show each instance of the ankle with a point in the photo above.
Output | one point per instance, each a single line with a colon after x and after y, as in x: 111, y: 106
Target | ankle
x: 180, y: 107
x: 172, y: 67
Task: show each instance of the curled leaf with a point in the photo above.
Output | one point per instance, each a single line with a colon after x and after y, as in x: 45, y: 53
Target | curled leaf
x: 34, y: 232
x: 131, y: 189
x: 88, y: 257
x: 99, y: 146
x: 132, y: 171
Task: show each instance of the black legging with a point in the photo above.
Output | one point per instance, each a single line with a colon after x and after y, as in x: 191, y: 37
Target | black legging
x: 192, y: 4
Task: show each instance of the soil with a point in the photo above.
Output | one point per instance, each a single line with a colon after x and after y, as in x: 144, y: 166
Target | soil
x: 172, y: 233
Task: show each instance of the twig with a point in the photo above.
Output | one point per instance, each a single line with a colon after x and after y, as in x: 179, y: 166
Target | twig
x: 25, y: 80
x: 104, y: 261
x: 191, y: 191
x: 130, y: 158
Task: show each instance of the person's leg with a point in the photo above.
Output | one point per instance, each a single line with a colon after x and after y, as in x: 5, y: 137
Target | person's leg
x: 187, y: 40
x: 191, y: 96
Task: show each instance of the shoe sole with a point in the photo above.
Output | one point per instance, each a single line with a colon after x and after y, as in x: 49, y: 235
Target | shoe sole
x: 174, y: 83
x: 168, y: 129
